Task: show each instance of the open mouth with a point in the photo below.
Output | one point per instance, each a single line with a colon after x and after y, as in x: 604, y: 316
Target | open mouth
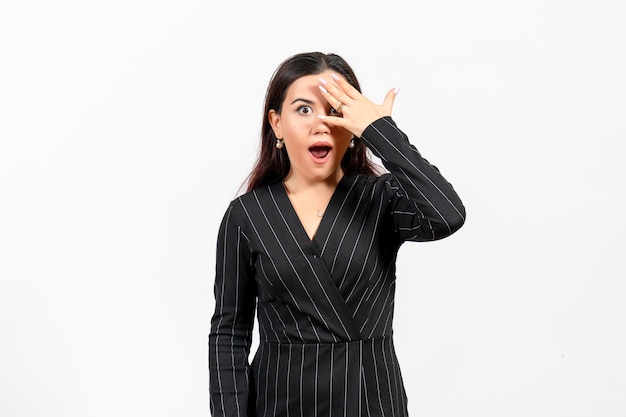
x: 320, y: 151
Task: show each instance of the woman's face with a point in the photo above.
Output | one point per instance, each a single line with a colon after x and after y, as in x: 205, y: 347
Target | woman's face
x: 315, y: 149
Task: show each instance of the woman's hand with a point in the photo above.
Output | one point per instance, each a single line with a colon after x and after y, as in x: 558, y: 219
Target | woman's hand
x: 357, y: 111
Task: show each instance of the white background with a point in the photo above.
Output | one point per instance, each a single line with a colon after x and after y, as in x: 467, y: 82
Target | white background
x: 126, y: 128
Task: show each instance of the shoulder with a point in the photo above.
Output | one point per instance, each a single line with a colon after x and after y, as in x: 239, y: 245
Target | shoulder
x: 371, y: 180
x: 364, y: 184
x: 383, y: 185
x: 241, y: 206
x: 257, y: 195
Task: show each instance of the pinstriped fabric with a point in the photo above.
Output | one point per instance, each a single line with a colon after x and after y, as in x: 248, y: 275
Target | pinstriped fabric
x: 324, y: 306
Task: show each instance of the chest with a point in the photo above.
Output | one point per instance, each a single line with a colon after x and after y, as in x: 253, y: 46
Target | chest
x: 309, y: 217
x: 296, y: 250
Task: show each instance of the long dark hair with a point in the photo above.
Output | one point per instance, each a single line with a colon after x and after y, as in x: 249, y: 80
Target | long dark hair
x: 272, y: 164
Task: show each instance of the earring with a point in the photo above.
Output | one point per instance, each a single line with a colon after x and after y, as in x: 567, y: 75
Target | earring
x: 352, y: 143
x: 280, y: 143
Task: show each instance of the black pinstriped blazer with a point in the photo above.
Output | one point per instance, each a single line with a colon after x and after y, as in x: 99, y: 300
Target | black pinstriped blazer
x: 324, y: 306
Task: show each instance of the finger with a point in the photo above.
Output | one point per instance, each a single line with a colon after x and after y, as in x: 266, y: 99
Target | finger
x: 335, y: 91
x: 334, y: 121
x: 330, y: 98
x: 348, y: 88
x: 390, y: 98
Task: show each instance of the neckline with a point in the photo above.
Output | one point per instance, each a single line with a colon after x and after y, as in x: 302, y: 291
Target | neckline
x: 320, y: 212
x: 329, y: 213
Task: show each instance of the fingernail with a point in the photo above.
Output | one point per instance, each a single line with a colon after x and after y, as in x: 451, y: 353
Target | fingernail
x: 321, y: 117
x: 396, y: 90
x: 323, y: 89
x: 334, y: 76
x: 323, y: 81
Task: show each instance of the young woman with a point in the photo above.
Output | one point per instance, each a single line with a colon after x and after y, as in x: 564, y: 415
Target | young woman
x: 310, y: 249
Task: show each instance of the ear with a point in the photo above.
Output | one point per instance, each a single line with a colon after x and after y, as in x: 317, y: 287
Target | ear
x: 274, y: 119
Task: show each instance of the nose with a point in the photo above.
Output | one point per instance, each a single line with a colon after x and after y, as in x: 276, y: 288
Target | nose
x: 321, y: 127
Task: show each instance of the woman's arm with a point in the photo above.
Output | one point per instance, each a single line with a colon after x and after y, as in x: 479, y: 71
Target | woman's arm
x: 230, y: 336
x: 424, y: 206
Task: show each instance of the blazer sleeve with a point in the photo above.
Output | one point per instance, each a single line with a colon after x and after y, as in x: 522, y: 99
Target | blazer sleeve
x: 230, y: 336
x: 423, y: 204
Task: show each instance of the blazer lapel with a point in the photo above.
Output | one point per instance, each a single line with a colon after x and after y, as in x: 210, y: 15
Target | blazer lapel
x: 327, y: 295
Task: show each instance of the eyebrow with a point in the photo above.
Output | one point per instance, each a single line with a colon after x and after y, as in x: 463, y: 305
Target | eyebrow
x: 302, y: 99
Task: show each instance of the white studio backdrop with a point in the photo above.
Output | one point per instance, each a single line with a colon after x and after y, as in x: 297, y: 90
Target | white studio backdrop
x: 126, y: 127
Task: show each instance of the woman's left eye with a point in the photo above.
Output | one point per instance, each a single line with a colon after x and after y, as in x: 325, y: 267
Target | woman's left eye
x: 335, y: 113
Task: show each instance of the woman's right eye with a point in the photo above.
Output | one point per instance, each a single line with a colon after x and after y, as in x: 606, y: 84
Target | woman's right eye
x: 305, y: 110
